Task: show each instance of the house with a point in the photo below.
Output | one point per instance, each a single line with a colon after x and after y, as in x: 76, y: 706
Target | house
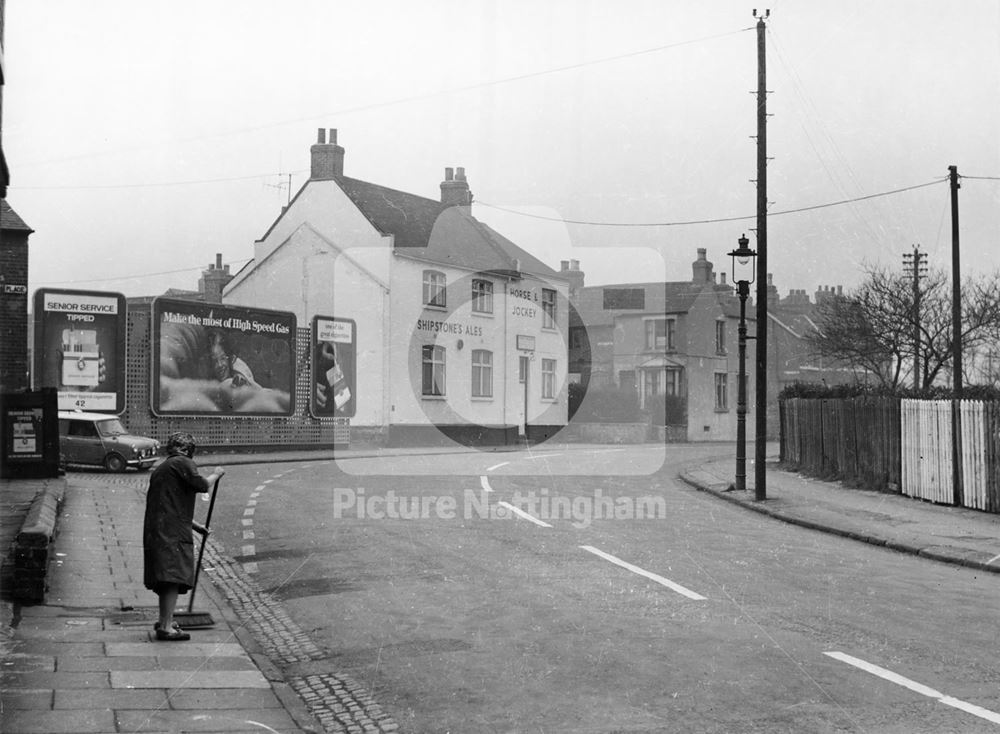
x: 14, y: 234
x: 664, y: 338
x: 457, y: 330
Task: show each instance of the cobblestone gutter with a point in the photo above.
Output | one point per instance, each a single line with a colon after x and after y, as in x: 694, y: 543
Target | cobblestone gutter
x: 338, y: 702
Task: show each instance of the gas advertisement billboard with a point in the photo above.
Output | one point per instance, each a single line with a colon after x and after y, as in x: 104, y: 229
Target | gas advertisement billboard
x: 334, y: 367
x: 215, y: 359
x: 79, y: 345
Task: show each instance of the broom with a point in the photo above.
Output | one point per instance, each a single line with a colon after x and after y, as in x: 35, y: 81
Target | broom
x: 191, y: 619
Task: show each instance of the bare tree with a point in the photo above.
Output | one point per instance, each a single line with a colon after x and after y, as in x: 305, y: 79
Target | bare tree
x: 872, y: 326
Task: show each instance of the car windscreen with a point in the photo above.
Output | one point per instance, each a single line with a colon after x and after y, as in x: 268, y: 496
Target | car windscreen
x: 111, y: 427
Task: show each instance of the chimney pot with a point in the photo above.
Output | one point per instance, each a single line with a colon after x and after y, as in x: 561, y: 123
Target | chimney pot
x: 702, y: 253
x: 722, y: 276
x: 449, y: 174
x: 218, y: 260
x: 574, y: 264
x: 564, y: 265
x: 333, y: 136
x: 460, y: 174
x: 321, y: 137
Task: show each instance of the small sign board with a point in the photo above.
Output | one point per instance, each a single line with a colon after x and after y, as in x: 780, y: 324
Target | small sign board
x: 526, y: 342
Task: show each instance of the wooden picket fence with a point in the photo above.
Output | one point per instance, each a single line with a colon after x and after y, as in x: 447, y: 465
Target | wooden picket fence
x: 897, y: 445
x: 853, y: 439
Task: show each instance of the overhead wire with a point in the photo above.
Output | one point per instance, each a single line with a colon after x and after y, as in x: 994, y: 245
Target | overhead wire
x: 718, y: 219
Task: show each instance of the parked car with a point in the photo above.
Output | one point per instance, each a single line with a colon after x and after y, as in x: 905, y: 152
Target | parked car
x: 98, y: 439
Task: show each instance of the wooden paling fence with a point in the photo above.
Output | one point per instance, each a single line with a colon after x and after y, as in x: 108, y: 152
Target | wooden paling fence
x: 854, y: 439
x: 905, y: 446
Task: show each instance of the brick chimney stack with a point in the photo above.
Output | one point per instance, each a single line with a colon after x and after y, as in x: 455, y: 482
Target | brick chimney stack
x: 702, y: 268
x: 327, y: 157
x: 570, y: 269
x: 455, y: 188
x: 214, y: 279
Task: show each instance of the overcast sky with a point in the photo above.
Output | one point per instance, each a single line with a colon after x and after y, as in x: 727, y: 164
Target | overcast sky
x: 145, y: 138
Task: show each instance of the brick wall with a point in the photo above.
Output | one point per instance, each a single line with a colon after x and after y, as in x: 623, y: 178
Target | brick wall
x: 13, y: 312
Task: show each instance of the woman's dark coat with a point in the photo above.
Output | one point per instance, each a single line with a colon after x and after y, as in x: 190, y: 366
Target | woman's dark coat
x: 168, y: 546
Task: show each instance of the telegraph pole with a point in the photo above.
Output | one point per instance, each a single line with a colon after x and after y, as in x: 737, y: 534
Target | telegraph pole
x: 916, y: 262
x: 760, y: 438
x: 956, y: 285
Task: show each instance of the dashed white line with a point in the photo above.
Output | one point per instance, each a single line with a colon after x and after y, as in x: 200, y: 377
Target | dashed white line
x: 994, y: 558
x: 920, y: 688
x: 248, y: 535
x: 521, y: 513
x: 249, y: 511
x: 539, y: 456
x: 248, y: 550
x: 259, y: 488
x: 643, y: 572
x: 497, y: 466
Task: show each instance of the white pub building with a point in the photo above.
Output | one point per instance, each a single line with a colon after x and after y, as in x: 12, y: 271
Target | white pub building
x: 458, y: 331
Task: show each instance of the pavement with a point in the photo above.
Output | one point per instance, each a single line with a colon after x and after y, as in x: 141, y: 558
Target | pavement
x: 86, y: 661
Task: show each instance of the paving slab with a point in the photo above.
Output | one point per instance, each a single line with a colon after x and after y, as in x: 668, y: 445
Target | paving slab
x: 206, y: 720
x: 111, y: 698
x: 188, y: 679
x: 189, y: 648
x: 86, y: 721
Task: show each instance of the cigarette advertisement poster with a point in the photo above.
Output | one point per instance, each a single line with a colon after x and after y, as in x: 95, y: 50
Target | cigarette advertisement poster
x: 216, y: 359
x: 79, y: 348
x: 334, y: 367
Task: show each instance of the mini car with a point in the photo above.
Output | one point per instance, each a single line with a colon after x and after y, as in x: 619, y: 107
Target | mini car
x: 99, y: 439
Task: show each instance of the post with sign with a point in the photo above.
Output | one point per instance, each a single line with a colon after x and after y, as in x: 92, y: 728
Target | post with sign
x: 80, y: 348
x: 29, y: 434
x: 526, y: 349
x: 334, y: 369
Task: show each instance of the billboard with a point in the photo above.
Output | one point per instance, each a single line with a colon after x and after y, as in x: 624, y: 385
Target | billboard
x: 79, y: 347
x: 211, y: 359
x: 334, y: 367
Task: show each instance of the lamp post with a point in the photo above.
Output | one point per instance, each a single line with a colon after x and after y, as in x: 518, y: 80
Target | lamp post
x: 742, y: 255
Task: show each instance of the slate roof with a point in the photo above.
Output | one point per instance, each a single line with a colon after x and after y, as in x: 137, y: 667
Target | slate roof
x: 10, y: 220
x: 449, y: 235
x: 665, y: 298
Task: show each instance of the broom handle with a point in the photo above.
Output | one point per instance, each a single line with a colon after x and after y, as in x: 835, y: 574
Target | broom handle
x: 201, y: 552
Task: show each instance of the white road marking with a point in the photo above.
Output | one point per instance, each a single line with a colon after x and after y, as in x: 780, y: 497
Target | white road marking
x: 497, y: 466
x: 247, y: 522
x: 485, y: 484
x: 248, y: 535
x: 249, y: 511
x: 521, y: 513
x: 994, y: 558
x: 643, y: 572
x: 259, y: 488
x: 250, y: 567
x: 916, y: 687
x: 248, y: 550
x: 251, y: 503
x: 539, y: 456
x: 268, y: 481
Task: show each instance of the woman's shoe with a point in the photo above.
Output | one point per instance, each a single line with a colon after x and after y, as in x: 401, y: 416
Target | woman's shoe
x: 174, y: 634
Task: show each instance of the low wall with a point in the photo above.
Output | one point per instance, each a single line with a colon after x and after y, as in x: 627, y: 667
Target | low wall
x: 606, y: 432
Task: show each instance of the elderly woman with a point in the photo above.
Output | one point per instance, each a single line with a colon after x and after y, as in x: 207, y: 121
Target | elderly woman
x: 168, y: 547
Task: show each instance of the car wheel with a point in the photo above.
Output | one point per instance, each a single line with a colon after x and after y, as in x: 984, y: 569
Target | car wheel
x: 114, y: 463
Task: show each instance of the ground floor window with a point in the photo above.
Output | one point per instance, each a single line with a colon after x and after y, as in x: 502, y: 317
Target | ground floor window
x: 433, y: 370
x: 721, y: 391
x: 482, y: 373
x: 548, y: 378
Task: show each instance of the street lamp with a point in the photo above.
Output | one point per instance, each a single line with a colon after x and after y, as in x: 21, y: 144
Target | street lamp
x: 743, y: 255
